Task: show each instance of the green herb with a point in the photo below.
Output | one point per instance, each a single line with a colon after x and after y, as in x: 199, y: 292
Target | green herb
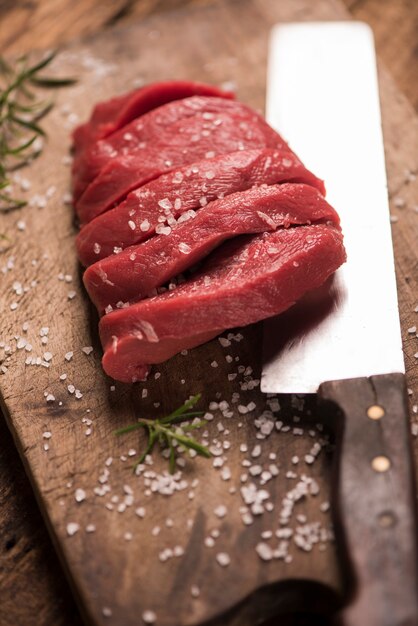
x: 166, y: 432
x: 20, y: 113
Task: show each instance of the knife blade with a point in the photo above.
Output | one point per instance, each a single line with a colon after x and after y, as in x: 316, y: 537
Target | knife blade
x: 344, y: 340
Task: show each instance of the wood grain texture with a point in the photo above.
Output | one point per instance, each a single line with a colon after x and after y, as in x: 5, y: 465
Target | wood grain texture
x: 394, y: 25
x: 400, y: 117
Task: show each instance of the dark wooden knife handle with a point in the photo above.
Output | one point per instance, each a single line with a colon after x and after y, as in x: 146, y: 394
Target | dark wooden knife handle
x: 375, y: 499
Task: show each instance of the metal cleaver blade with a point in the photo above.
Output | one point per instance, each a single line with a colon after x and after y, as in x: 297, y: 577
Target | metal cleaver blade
x: 343, y: 341
x: 322, y: 96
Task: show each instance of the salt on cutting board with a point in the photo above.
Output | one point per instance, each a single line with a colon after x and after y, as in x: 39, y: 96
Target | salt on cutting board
x: 253, y: 515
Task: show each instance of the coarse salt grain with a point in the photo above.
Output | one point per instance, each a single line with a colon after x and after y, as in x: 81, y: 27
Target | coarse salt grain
x: 80, y: 495
x: 264, y: 551
x: 149, y: 617
x: 72, y: 528
x: 220, y: 511
x: 223, y: 559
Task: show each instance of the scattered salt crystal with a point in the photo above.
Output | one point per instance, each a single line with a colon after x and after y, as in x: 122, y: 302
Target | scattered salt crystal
x: 72, y: 528
x: 149, y: 617
x: 87, y: 350
x: 223, y: 559
x: 256, y: 452
x: 220, y: 511
x: 50, y: 398
x: 106, y: 611
x: 68, y: 356
x: 194, y: 591
x: 184, y: 248
x: 165, y: 203
x: 264, y: 551
x: 47, y: 356
x: 80, y: 495
x: 412, y: 330
x: 131, y: 224
x: 47, y: 434
x: 90, y: 528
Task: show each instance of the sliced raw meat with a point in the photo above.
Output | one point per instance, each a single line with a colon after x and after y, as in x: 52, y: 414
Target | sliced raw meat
x: 246, y: 280
x: 196, y: 117
x: 191, y: 139
x: 109, y: 116
x: 184, y: 190
x: 137, y: 271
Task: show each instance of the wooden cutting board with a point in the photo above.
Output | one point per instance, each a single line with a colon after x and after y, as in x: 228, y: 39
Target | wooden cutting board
x: 125, y: 565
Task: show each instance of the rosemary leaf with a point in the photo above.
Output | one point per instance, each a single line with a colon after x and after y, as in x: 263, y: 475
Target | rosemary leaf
x: 53, y: 82
x: 168, y: 435
x: 20, y: 112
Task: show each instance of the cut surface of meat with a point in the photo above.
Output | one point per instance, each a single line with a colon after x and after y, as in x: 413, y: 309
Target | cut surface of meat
x: 109, y: 116
x: 136, y: 272
x: 183, y: 191
x: 196, y: 117
x: 245, y: 280
x: 205, y: 128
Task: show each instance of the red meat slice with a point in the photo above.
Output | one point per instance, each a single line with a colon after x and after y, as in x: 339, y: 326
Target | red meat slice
x: 183, y: 190
x: 109, y: 116
x: 197, y: 117
x: 137, y: 271
x: 246, y: 280
x: 193, y: 138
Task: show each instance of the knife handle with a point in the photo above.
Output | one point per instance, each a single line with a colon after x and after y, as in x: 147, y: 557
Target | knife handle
x: 374, y: 499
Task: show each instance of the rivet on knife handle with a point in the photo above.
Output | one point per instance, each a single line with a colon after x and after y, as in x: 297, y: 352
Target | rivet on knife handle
x: 374, y: 499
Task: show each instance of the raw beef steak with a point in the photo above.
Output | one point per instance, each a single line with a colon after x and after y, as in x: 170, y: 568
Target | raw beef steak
x: 182, y: 192
x: 245, y: 280
x: 136, y: 272
x: 109, y: 116
x: 176, y: 134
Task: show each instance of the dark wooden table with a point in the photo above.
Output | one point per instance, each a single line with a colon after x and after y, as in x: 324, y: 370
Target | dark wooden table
x: 33, y: 589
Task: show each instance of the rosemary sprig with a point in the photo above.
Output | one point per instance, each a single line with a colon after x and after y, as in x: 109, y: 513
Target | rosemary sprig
x: 20, y: 113
x: 166, y: 432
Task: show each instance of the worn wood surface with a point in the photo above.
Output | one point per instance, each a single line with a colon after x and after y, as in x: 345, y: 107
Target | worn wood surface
x: 400, y: 157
